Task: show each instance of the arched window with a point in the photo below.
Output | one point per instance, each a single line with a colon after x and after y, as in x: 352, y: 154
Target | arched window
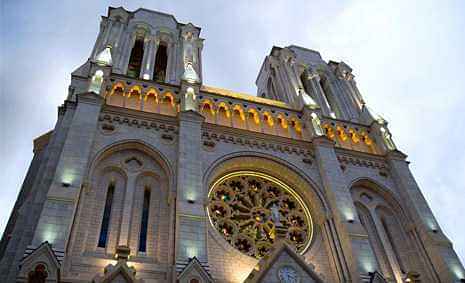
x: 102, y: 241
x: 135, y: 60
x: 271, y: 89
x: 378, y: 253
x: 38, y: 275
x: 133, y: 100
x: 161, y: 62
x: 144, y: 221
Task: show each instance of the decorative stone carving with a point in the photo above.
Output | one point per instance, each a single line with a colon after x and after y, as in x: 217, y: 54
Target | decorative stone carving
x: 387, y: 138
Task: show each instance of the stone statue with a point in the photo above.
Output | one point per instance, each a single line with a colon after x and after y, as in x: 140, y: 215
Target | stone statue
x: 189, y: 59
x: 316, y: 123
x: 387, y: 138
x: 275, y: 215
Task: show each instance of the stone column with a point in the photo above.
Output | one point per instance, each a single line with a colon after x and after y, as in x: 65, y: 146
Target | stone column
x: 444, y: 260
x: 314, y: 82
x: 191, y: 221
x: 56, y: 217
x: 344, y: 214
x: 171, y: 65
x: 125, y: 228
x: 150, y: 63
x: 145, y: 58
x: 387, y: 247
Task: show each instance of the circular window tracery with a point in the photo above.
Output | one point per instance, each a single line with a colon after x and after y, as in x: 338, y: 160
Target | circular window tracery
x: 240, y: 208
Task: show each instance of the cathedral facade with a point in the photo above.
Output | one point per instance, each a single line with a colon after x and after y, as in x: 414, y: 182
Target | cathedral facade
x: 151, y: 176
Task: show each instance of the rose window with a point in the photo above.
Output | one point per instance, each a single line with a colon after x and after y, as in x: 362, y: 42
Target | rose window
x: 244, y: 207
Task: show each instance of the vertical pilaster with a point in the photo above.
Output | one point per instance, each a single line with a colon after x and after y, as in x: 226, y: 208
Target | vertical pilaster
x: 125, y: 227
x: 56, y: 216
x: 343, y: 210
x: 444, y: 260
x: 150, y: 64
x: 191, y: 219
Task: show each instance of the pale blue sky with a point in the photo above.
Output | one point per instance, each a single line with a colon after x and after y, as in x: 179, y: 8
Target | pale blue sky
x: 408, y: 58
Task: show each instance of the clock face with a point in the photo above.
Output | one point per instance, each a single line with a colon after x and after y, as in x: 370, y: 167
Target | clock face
x: 288, y: 274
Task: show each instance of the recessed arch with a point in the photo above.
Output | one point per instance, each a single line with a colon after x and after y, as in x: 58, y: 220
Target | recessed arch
x: 134, y: 144
x: 274, y: 166
x: 382, y: 190
x: 150, y: 100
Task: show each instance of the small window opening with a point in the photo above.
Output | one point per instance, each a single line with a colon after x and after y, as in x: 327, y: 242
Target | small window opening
x: 144, y: 222
x: 161, y: 62
x: 135, y: 61
x: 102, y: 242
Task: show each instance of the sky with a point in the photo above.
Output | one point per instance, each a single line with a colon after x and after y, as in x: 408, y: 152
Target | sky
x: 407, y: 56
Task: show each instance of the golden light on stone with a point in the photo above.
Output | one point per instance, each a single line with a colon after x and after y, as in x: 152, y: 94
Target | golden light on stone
x: 239, y: 209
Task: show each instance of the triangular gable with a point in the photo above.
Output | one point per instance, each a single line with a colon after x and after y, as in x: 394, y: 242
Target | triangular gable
x: 194, y: 269
x: 112, y: 273
x: 44, y: 255
x: 376, y: 277
x: 283, y: 255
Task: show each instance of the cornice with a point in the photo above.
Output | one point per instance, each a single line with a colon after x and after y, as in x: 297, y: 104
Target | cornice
x: 212, y: 136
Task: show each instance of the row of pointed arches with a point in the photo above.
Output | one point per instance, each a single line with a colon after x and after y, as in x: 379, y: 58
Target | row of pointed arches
x: 151, y: 100
x: 237, y: 116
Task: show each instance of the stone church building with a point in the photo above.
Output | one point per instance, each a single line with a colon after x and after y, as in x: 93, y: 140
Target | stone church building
x: 151, y: 176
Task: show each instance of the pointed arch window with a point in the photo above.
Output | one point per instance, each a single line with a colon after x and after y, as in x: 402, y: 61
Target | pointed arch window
x: 161, y: 62
x: 329, y: 98
x: 103, y: 238
x: 144, y: 221
x: 270, y: 89
x: 135, y: 60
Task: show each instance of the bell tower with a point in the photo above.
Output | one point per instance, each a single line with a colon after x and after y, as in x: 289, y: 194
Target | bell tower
x: 300, y: 77
x: 149, y: 45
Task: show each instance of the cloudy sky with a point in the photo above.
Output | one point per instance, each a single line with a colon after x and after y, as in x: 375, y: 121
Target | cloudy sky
x: 408, y: 58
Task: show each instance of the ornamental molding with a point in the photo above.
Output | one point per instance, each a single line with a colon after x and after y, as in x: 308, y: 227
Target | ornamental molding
x: 210, y: 138
x: 108, y: 119
x: 362, y: 160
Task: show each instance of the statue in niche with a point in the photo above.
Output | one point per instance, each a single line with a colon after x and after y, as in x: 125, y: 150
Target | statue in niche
x: 189, y: 59
x: 316, y: 123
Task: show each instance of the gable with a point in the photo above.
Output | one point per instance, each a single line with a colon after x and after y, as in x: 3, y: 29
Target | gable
x: 283, y: 259
x: 194, y: 270
x: 44, y: 256
x: 286, y: 261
